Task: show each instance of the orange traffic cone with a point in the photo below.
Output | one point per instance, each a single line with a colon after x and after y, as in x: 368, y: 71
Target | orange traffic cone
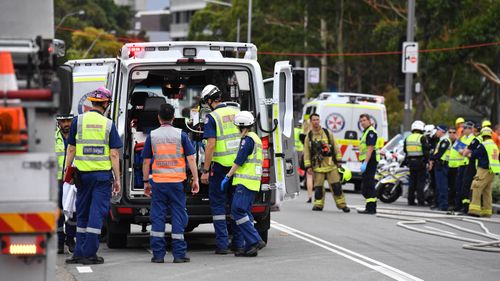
x: 7, y: 75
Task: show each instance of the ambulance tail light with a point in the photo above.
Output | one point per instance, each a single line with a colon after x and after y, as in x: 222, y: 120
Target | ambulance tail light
x: 266, y: 164
x: 258, y: 209
x: 21, y: 245
x: 124, y: 210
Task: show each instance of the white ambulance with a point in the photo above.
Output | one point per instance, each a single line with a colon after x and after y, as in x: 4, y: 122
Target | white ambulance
x: 145, y: 75
x: 339, y: 112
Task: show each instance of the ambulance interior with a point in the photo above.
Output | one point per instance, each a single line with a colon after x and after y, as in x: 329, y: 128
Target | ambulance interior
x: 151, y: 87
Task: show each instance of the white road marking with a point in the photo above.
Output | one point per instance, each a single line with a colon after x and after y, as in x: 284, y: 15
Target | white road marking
x: 149, y: 250
x: 84, y: 269
x: 383, y: 268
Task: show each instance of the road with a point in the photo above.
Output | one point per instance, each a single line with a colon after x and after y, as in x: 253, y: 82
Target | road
x: 307, y: 245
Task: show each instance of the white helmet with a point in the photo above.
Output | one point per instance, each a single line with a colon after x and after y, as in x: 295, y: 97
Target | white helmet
x: 429, y: 130
x: 210, y: 91
x: 244, y: 119
x: 417, y: 125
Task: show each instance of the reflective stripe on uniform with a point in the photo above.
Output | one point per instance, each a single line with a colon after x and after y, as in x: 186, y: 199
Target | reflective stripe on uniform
x: 219, y: 217
x: 157, y: 233
x: 93, y: 230
x: 414, y: 145
x: 169, y: 161
x: 227, y: 136
x: 242, y: 176
x: 371, y: 200
x: 177, y: 236
x: 93, y: 129
x: 81, y: 230
x: 60, y: 229
x: 250, y: 173
x: 242, y: 220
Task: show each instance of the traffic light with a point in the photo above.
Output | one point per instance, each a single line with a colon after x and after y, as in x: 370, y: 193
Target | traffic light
x: 299, y: 81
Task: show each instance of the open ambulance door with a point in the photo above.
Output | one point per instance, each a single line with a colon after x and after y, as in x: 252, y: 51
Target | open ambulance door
x: 285, y: 159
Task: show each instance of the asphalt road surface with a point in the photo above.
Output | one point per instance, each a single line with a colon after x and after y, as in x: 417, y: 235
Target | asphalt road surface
x: 307, y: 245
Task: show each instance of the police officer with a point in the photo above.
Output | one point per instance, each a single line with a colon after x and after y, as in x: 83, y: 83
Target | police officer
x: 370, y: 157
x: 417, y: 157
x: 488, y: 166
x: 246, y: 173
x: 470, y: 170
x: 460, y: 145
x: 440, y: 167
x: 65, y: 231
x: 430, y: 134
x: 170, y: 148
x: 321, y: 156
x: 94, y: 146
x: 223, y: 138
x: 453, y: 159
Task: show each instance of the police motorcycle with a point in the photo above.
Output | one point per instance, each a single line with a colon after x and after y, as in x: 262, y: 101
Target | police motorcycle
x: 392, y: 176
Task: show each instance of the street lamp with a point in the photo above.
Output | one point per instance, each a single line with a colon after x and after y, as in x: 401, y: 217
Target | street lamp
x: 95, y: 41
x: 249, y: 31
x: 80, y: 13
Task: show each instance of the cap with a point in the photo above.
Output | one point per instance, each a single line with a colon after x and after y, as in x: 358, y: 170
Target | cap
x: 469, y: 125
x: 69, y: 116
x: 442, y: 128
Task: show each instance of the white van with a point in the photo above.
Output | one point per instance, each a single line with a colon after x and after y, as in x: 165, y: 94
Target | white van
x: 339, y: 112
x: 145, y: 75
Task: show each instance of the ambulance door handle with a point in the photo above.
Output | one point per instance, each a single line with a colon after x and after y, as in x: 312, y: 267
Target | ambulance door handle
x: 275, y: 123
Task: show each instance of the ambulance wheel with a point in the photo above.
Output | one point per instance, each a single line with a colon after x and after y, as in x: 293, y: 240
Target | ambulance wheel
x: 116, y: 235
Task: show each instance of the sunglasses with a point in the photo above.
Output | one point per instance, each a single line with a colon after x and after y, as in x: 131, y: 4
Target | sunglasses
x: 451, y: 132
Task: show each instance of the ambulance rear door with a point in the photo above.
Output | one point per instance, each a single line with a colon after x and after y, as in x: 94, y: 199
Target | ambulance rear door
x: 89, y: 75
x: 285, y: 158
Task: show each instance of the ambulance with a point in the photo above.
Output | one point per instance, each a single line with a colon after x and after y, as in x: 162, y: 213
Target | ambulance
x: 339, y: 112
x: 145, y: 75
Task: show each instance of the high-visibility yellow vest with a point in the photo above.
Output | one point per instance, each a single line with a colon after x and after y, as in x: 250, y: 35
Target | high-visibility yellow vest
x: 60, y: 153
x: 414, y: 145
x: 169, y: 163
x: 250, y: 173
x: 228, y: 136
x: 492, y: 150
x: 298, y: 144
x: 446, y: 154
x: 363, y: 148
x: 467, y: 140
x: 92, y: 142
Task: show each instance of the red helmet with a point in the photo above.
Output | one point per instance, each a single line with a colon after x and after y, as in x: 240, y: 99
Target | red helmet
x: 100, y: 94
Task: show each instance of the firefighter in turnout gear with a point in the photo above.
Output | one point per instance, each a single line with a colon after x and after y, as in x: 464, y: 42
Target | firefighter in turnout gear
x: 223, y: 139
x: 94, y: 146
x: 65, y: 231
x: 170, y: 147
x: 321, y: 156
x: 246, y: 174
x: 417, y: 156
x: 488, y: 166
x: 369, y: 157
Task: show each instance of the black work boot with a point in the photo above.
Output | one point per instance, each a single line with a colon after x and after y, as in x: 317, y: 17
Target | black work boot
x: 70, y: 242
x: 60, y: 248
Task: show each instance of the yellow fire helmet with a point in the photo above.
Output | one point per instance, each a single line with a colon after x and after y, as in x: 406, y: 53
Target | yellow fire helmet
x: 459, y: 120
x: 345, y: 174
x: 486, y: 123
x: 486, y: 131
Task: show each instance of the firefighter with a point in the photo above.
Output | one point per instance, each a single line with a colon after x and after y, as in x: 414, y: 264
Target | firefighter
x: 223, y: 138
x: 170, y: 148
x: 470, y: 169
x: 459, y: 126
x: 370, y: 157
x: 461, y: 144
x: 440, y: 165
x: 417, y: 157
x: 321, y: 156
x: 453, y: 160
x: 488, y: 166
x: 246, y: 174
x: 94, y: 146
x: 65, y: 231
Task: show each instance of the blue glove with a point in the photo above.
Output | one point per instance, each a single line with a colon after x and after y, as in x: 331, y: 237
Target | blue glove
x: 224, y: 183
x: 363, y: 167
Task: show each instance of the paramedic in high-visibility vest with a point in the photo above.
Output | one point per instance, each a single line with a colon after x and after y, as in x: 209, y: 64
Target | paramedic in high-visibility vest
x: 487, y: 167
x: 170, y: 147
x: 369, y: 158
x: 417, y: 150
x: 94, y: 145
x: 223, y: 139
x: 65, y: 231
x: 246, y: 173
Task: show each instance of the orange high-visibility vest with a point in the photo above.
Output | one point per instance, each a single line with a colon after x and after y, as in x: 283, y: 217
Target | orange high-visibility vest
x: 169, y: 161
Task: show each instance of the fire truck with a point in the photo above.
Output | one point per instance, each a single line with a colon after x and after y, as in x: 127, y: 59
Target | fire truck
x: 28, y: 104
x: 145, y: 75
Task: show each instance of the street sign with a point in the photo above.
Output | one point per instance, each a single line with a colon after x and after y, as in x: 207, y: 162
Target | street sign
x: 410, y: 57
x: 313, y: 75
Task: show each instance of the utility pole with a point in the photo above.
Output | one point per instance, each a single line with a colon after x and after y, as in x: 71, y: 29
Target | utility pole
x: 410, y: 36
x: 249, y: 33
x: 324, y: 60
